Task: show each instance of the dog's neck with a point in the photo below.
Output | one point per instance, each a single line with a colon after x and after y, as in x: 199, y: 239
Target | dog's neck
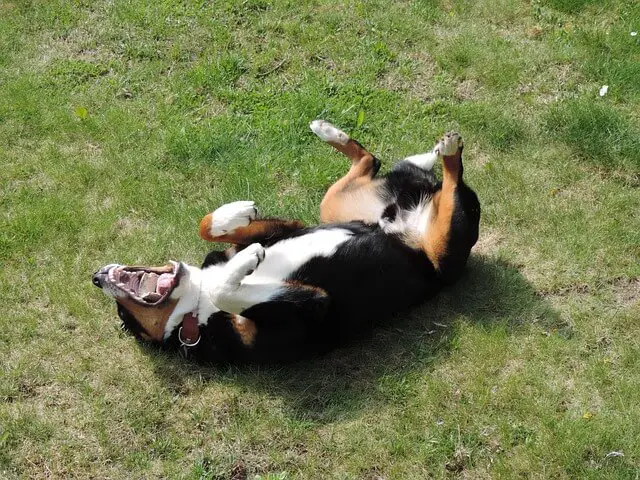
x: 193, y: 297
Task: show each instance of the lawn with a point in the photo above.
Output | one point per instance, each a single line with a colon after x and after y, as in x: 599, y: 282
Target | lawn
x: 122, y: 124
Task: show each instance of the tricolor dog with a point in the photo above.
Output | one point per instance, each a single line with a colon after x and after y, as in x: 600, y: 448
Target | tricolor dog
x: 283, y: 290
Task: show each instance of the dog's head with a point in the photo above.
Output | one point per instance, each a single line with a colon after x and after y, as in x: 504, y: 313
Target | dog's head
x: 146, y: 297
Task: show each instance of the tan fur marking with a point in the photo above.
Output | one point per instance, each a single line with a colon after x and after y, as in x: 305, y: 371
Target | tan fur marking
x: 436, y: 239
x: 318, y: 290
x: 153, y: 319
x: 451, y: 169
x: 205, y: 227
x: 353, y: 150
x: 245, y: 328
x: 245, y: 235
x: 168, y: 268
x: 352, y: 197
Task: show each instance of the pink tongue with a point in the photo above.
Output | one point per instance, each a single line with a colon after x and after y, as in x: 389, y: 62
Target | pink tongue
x: 165, y: 282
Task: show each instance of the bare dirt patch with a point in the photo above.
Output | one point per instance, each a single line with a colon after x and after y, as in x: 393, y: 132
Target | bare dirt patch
x: 128, y: 225
x: 418, y: 84
x: 626, y: 291
x: 488, y: 242
x: 468, y: 89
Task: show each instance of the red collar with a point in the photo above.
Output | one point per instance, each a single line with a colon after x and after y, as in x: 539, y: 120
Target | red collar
x: 189, y: 332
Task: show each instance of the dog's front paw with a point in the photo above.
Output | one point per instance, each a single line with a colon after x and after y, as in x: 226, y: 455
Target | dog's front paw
x: 449, y: 144
x: 328, y: 133
x: 229, y: 293
x: 233, y: 215
x: 244, y: 263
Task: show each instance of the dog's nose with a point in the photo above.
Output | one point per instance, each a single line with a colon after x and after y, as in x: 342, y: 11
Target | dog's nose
x: 100, y: 275
x: 98, y: 278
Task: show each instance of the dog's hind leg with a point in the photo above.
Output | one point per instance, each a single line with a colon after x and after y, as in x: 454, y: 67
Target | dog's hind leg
x: 452, y: 226
x: 354, y: 196
x: 437, y: 234
x: 236, y: 223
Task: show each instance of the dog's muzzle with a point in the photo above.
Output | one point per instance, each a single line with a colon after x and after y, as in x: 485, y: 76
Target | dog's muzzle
x: 100, y: 276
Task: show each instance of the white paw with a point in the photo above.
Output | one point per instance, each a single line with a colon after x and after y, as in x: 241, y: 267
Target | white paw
x: 449, y: 144
x: 244, y: 263
x: 231, y: 216
x: 328, y: 132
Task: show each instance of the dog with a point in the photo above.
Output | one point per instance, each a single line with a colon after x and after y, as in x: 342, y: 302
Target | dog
x: 283, y: 291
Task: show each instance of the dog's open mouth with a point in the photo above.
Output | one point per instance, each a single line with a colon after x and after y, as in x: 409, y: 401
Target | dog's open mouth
x: 145, y: 285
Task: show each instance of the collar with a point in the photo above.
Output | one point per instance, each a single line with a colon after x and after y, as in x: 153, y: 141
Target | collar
x: 189, y: 332
x: 194, y: 304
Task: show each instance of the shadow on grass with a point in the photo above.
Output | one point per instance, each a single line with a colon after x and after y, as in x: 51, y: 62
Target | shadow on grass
x: 371, y: 371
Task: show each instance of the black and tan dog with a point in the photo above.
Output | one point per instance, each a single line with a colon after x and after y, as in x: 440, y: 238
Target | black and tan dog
x: 284, y: 290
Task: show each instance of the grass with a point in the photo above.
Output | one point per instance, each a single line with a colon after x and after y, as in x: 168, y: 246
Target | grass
x: 122, y: 123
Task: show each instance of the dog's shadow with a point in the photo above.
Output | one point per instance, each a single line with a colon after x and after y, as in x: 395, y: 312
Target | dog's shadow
x: 336, y: 385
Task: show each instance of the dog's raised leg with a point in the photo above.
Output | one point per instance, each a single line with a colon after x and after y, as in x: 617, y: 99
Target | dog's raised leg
x: 236, y: 223
x: 353, y: 197
x: 438, y: 232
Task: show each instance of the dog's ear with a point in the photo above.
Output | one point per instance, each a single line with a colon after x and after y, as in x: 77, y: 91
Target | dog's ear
x: 146, y: 322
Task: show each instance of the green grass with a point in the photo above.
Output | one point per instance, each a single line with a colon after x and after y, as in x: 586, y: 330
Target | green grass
x: 122, y: 123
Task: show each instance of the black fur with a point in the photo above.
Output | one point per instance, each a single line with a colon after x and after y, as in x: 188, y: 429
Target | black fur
x: 407, y: 185
x: 464, y: 233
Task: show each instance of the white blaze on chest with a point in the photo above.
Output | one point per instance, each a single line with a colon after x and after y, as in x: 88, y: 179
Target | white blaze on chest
x: 411, y: 224
x: 287, y: 256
